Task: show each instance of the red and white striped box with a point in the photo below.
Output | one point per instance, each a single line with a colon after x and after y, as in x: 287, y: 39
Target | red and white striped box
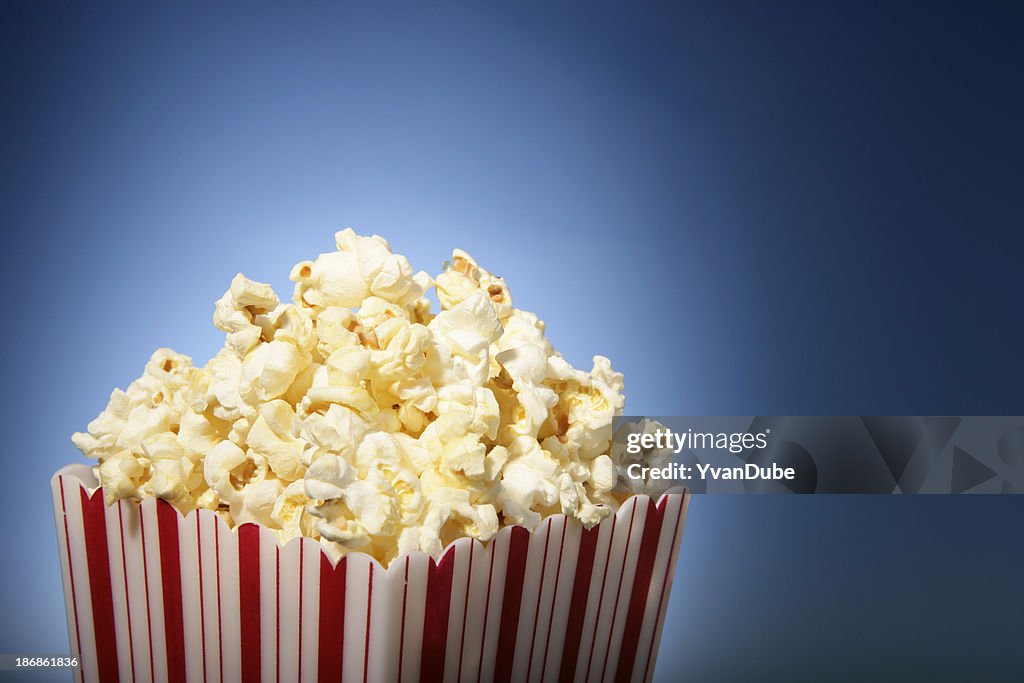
x: 152, y: 595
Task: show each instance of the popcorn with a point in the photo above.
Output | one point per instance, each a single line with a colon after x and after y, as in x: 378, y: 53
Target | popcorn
x: 169, y: 481
x: 327, y: 477
x: 122, y: 475
x: 217, y: 389
x: 463, y: 278
x: 463, y: 335
x: 288, y: 512
x: 257, y: 503
x: 362, y: 266
x: 221, y: 469
x: 647, y: 457
x: 357, y: 416
x: 453, y: 445
x: 273, y: 437
x: 268, y: 371
x: 235, y: 312
x: 197, y: 434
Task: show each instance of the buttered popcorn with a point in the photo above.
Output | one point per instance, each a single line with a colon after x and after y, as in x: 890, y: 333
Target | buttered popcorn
x: 356, y: 416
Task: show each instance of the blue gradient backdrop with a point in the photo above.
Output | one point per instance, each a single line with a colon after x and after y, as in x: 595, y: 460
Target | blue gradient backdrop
x: 765, y: 208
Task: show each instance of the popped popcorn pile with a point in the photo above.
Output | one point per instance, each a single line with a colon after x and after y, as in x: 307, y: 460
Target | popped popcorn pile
x: 356, y: 416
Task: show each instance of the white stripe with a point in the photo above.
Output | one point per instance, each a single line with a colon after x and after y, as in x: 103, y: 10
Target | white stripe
x: 650, y: 616
x: 156, y: 593
x: 500, y: 546
x: 531, y: 596
x: 540, y: 607
x: 610, y: 578
x: 83, y: 598
x: 231, y: 625
x: 620, y: 601
x: 188, y: 546
x: 415, y: 611
x: 69, y: 607
x: 118, y: 515
x: 387, y: 621
x: 474, y: 623
x: 268, y: 604
x: 548, y: 586
x: 136, y: 591
x: 208, y: 621
x: 677, y: 541
x: 594, y: 595
x: 357, y: 574
x: 83, y: 593
x: 563, y: 600
x: 460, y: 576
x: 290, y: 610
x: 606, y: 600
x: 310, y: 610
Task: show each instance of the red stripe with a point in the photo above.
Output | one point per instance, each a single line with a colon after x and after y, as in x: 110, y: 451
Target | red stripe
x: 519, y: 546
x: 100, y: 589
x: 641, y: 589
x: 170, y: 570
x: 369, y: 606
x: 71, y: 574
x: 332, y: 619
x: 145, y: 580
x: 578, y: 603
x: 401, y: 636
x: 202, y: 601
x: 554, y: 595
x: 435, y: 618
x: 127, y: 595
x: 540, y: 594
x: 618, y: 589
x: 487, y: 610
x: 465, y: 609
x: 664, y: 585
x: 600, y: 599
x: 249, y: 600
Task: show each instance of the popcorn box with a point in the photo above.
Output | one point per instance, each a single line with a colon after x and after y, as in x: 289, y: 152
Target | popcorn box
x: 152, y: 595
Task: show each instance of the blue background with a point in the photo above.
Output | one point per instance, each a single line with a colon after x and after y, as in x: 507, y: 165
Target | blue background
x: 763, y: 208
